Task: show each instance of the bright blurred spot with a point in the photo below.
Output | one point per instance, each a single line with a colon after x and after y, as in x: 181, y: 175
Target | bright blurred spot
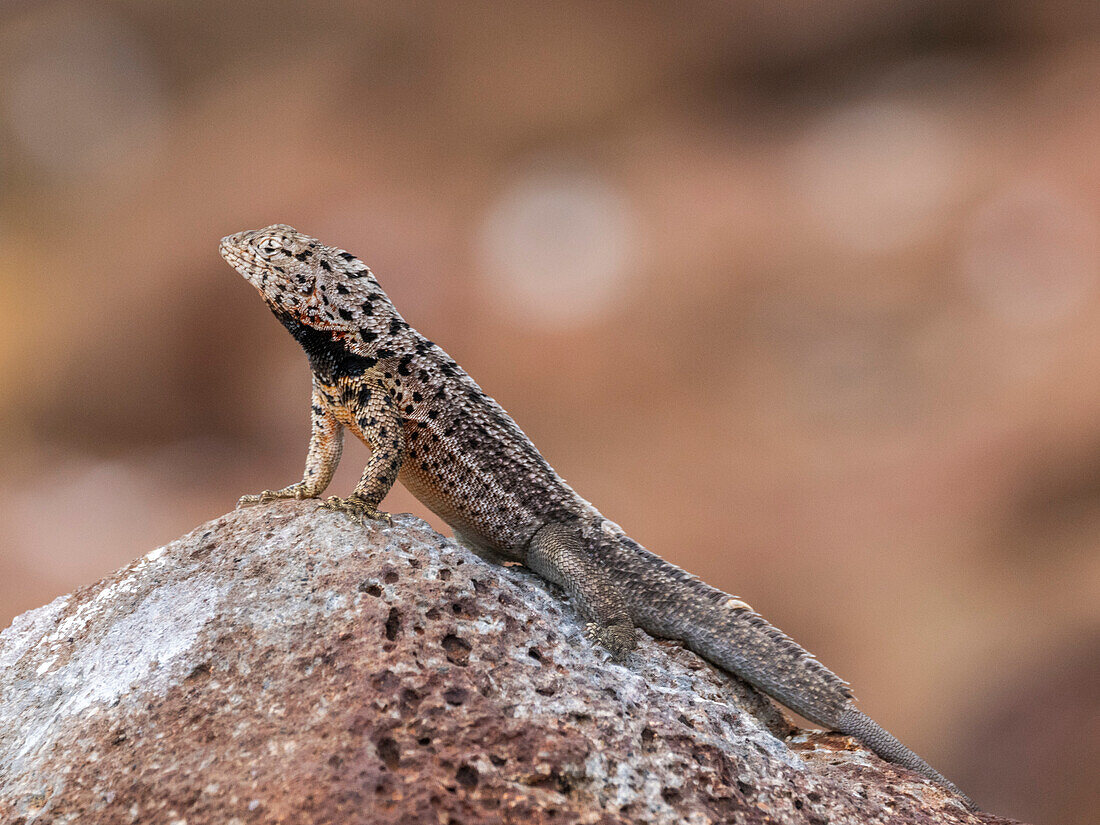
x: 1030, y: 255
x: 82, y: 94
x: 877, y: 175
x: 556, y: 248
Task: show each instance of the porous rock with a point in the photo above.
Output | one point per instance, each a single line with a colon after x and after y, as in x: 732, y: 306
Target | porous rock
x: 281, y: 664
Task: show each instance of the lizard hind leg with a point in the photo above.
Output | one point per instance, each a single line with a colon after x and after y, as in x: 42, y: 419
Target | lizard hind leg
x: 557, y: 553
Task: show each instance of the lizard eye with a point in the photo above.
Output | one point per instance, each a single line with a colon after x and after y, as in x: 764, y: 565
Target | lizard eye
x: 269, y: 245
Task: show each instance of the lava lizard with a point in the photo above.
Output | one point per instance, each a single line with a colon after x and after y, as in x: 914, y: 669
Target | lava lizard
x: 429, y: 425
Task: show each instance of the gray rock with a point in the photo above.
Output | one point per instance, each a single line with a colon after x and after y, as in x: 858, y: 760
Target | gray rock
x: 281, y: 664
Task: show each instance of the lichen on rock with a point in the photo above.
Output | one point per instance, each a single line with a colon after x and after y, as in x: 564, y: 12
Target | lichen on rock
x: 281, y: 664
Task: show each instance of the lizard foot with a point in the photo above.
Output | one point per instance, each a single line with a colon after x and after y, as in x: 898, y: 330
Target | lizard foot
x: 294, y: 491
x: 356, y: 509
x: 618, y: 639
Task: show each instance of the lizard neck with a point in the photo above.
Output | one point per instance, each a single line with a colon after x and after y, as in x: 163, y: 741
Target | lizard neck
x: 377, y: 336
x: 329, y: 354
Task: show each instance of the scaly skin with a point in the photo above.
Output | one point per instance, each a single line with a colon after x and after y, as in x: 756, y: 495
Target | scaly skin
x: 431, y: 426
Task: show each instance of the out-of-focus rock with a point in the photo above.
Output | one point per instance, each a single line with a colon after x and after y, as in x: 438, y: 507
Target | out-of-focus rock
x: 280, y: 664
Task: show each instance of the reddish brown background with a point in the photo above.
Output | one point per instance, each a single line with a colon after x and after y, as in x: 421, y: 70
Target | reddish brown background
x: 807, y: 298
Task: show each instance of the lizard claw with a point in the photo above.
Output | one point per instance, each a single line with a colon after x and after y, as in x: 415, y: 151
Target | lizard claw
x: 619, y: 640
x: 295, y: 491
x: 356, y: 509
x: 259, y: 498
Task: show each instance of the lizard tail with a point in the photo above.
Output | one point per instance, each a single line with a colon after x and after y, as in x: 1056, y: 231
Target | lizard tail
x: 858, y: 724
x: 726, y: 631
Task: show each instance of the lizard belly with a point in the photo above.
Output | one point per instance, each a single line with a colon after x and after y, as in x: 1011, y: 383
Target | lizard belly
x: 469, y: 521
x: 428, y: 493
x: 463, y: 498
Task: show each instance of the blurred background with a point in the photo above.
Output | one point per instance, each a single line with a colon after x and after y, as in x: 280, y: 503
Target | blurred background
x: 805, y: 296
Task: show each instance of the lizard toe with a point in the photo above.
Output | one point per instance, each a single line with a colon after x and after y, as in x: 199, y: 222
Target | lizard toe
x: 356, y: 509
x: 619, y: 640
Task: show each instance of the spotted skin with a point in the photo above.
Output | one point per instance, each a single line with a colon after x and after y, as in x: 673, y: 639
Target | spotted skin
x: 364, y: 405
x: 431, y: 426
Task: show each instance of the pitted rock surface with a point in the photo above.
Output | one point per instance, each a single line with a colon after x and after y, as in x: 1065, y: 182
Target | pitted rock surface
x: 281, y: 664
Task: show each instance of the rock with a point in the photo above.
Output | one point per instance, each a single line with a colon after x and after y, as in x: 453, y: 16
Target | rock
x: 281, y: 664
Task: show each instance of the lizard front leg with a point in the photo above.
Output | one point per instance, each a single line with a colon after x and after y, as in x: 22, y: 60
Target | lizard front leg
x: 326, y: 442
x: 557, y: 553
x: 375, y: 411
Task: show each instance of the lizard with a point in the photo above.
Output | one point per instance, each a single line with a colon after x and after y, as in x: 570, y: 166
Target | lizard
x: 428, y: 424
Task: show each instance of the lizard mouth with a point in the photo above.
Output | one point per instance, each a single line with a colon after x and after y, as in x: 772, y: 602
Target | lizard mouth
x: 233, y: 256
x: 228, y: 250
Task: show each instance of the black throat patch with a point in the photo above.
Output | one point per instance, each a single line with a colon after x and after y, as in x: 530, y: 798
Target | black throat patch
x: 328, y: 355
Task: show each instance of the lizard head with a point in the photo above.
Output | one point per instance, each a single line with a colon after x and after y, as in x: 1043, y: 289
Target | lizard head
x: 303, y: 280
